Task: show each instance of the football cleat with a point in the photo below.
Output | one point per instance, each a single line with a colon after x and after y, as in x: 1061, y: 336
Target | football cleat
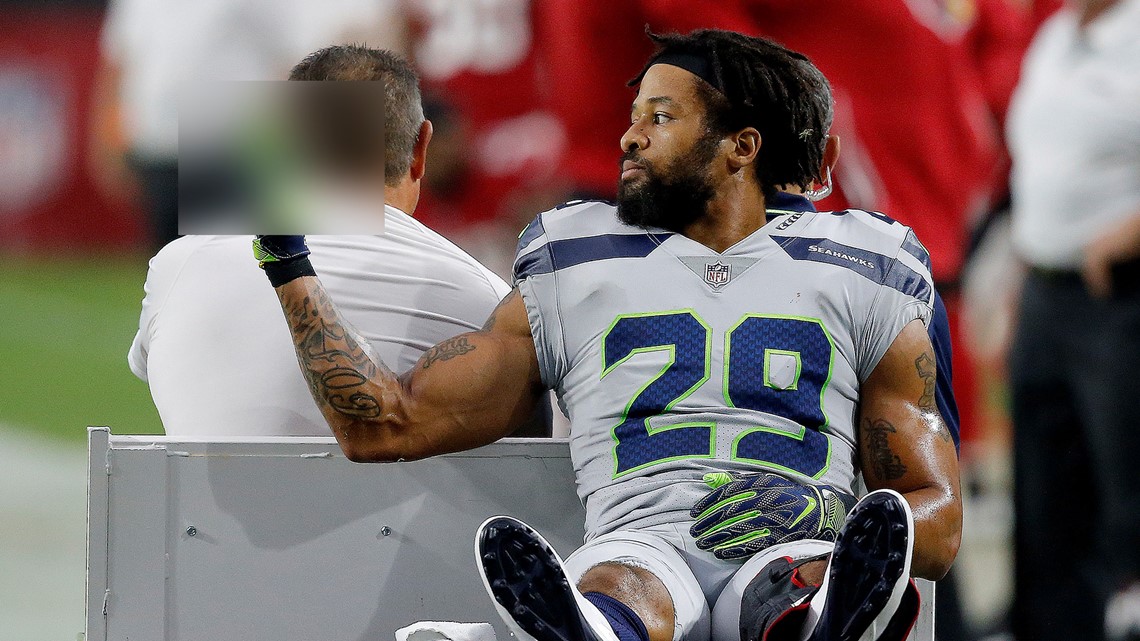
x: 869, y: 572
x: 529, y: 586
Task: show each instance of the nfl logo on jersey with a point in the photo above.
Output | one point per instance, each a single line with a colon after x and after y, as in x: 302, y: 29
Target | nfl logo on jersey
x: 717, y: 274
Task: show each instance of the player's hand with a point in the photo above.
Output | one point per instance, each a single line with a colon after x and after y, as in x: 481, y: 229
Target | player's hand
x: 1120, y: 243
x: 746, y: 513
x: 278, y: 249
x: 284, y: 258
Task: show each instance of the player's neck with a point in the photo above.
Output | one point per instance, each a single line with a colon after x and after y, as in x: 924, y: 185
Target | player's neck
x: 734, y: 213
x: 403, y: 196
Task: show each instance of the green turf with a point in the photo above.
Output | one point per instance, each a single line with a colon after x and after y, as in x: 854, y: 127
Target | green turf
x: 66, y: 327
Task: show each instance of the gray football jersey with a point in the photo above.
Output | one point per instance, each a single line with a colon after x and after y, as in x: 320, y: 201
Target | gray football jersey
x: 672, y: 360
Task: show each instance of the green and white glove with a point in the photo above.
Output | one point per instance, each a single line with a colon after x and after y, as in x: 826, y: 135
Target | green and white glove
x: 283, y: 258
x: 747, y: 512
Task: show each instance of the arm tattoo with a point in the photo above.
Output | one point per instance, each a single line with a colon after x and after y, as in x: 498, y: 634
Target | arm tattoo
x: 884, y: 462
x: 944, y: 432
x: 333, y: 360
x: 446, y: 350
x: 928, y: 372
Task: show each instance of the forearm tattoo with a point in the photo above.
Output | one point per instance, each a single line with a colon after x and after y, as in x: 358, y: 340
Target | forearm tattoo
x: 885, y: 464
x: 333, y: 360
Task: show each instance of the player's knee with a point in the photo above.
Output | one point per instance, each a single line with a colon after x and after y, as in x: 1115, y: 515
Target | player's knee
x: 812, y: 572
x: 637, y: 588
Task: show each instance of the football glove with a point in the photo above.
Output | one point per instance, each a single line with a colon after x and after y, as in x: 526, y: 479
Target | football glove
x: 283, y: 258
x: 747, y: 512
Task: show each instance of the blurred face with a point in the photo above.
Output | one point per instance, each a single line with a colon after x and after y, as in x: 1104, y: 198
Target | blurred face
x: 666, y: 171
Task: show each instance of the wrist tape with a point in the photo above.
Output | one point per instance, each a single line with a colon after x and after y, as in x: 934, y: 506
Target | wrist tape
x: 284, y: 271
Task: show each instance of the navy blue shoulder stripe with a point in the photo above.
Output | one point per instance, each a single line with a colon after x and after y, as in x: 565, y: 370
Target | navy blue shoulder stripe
x: 870, y: 265
x: 560, y: 254
x: 538, y: 261
x: 532, y: 231
x: 912, y: 246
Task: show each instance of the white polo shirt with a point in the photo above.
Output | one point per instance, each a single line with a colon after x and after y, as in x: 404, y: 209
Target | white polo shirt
x: 1074, y: 135
x: 214, y: 346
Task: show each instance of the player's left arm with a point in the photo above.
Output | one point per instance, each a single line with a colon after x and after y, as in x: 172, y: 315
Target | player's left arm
x: 904, y: 445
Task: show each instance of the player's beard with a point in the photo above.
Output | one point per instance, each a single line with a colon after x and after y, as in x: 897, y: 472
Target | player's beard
x: 672, y: 198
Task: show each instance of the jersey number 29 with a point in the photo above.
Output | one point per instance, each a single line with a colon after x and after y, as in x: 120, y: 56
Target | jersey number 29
x: 754, y: 349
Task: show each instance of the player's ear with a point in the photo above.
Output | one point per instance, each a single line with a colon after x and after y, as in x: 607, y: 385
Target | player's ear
x: 419, y: 151
x: 746, y: 144
x: 830, y: 155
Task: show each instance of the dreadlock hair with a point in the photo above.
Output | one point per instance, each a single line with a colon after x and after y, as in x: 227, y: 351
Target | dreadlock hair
x: 403, y: 105
x: 758, y: 83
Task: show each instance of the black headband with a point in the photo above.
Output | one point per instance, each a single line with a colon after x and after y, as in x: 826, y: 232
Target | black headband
x: 695, y: 64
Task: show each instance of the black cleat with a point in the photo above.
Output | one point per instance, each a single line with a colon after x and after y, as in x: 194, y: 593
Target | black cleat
x: 869, y: 571
x: 529, y: 586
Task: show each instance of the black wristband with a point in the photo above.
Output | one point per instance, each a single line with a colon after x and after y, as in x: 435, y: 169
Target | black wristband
x: 283, y: 271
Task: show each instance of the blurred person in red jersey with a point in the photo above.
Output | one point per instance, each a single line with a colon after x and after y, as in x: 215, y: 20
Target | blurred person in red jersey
x: 996, y: 40
x: 485, y: 87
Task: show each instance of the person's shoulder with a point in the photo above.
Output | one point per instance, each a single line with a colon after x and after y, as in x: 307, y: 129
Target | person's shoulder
x: 866, y: 237
x: 858, y: 226
x: 576, y: 219
x: 403, y: 236
x: 410, y: 251
x: 572, y: 221
x: 895, y: 235
x: 576, y: 232
x: 403, y: 229
x: 191, y: 268
x: 174, y: 257
x: 876, y: 221
x: 179, y: 249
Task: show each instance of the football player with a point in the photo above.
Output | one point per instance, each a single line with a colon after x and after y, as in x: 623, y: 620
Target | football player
x: 709, y: 329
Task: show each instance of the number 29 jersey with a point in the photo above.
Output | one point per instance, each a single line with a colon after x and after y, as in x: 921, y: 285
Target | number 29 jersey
x: 672, y: 360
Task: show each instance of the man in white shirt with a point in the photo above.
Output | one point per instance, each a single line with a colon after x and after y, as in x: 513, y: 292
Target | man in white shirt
x: 212, y: 344
x: 1074, y: 132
